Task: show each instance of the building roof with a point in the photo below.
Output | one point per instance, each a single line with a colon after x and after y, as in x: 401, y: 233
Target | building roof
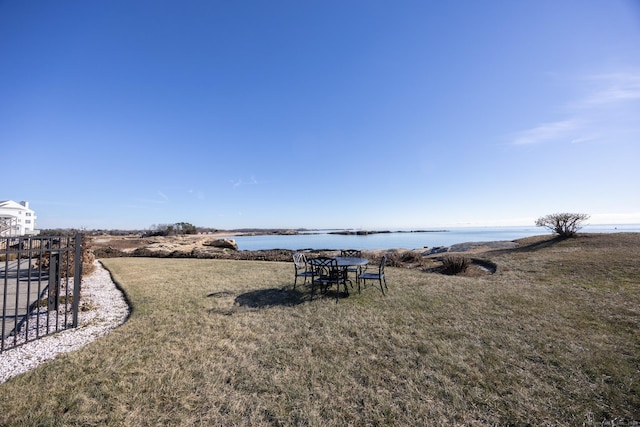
x: 10, y: 204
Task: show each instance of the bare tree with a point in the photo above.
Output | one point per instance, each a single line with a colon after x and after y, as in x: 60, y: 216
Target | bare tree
x: 563, y: 224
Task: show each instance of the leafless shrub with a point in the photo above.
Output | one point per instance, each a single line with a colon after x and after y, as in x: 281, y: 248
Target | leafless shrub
x: 67, y: 267
x: 455, y: 264
x: 108, y: 252
x: 398, y: 259
x: 563, y: 224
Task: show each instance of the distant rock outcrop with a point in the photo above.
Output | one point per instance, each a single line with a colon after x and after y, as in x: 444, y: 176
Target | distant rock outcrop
x: 436, y: 250
x: 222, y: 243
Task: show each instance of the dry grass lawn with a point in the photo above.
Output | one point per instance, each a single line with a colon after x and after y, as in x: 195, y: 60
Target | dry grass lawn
x: 553, y: 338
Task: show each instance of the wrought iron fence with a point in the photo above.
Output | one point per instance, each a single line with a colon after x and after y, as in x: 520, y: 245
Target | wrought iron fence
x: 40, y: 292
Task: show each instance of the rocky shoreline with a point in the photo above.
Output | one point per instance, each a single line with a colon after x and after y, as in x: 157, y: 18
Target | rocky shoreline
x: 223, y: 246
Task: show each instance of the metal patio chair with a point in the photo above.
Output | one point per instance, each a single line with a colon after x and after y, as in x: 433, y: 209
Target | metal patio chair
x: 302, y: 268
x: 379, y: 276
x: 355, y: 253
x: 326, y: 273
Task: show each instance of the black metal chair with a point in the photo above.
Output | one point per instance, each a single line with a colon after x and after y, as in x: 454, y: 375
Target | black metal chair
x: 355, y: 253
x: 326, y: 273
x: 303, y: 269
x: 351, y: 253
x: 379, y: 276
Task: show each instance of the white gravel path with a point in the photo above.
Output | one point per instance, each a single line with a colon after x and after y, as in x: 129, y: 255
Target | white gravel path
x: 109, y: 310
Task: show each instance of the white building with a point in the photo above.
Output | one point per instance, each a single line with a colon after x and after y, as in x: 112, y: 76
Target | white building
x: 16, y: 219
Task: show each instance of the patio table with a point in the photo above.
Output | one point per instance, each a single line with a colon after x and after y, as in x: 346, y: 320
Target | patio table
x: 344, y: 262
x: 349, y: 261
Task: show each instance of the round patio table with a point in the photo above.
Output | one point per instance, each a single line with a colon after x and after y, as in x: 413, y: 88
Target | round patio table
x: 349, y: 261
x: 344, y: 262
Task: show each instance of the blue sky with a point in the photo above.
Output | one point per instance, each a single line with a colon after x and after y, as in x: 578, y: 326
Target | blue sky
x: 328, y: 114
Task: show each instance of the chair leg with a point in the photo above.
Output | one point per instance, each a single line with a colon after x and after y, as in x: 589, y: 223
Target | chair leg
x: 346, y: 288
x: 345, y: 276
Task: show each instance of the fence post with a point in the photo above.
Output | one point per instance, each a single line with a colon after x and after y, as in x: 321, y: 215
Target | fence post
x: 77, y: 278
x: 54, y: 281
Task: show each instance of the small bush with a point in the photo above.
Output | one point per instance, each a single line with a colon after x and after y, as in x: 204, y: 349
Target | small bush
x: 410, y: 257
x: 563, y: 224
x: 396, y: 258
x: 67, y: 260
x: 108, y: 252
x: 144, y: 252
x: 455, y: 264
x: 11, y: 256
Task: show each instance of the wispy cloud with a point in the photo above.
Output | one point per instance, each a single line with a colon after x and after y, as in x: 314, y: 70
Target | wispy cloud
x: 606, y: 109
x: 607, y: 89
x: 546, y: 132
x: 582, y: 139
x: 240, y: 182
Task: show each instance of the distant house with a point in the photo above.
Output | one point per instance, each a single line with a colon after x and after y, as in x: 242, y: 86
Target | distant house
x: 16, y: 219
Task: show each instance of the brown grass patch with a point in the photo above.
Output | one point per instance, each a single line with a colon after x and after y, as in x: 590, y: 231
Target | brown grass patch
x: 550, y: 339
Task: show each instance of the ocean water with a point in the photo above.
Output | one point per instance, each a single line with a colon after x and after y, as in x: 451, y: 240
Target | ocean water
x: 409, y: 240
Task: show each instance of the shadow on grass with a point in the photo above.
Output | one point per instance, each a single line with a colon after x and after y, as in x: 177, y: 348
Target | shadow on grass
x: 263, y: 298
x: 534, y: 246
